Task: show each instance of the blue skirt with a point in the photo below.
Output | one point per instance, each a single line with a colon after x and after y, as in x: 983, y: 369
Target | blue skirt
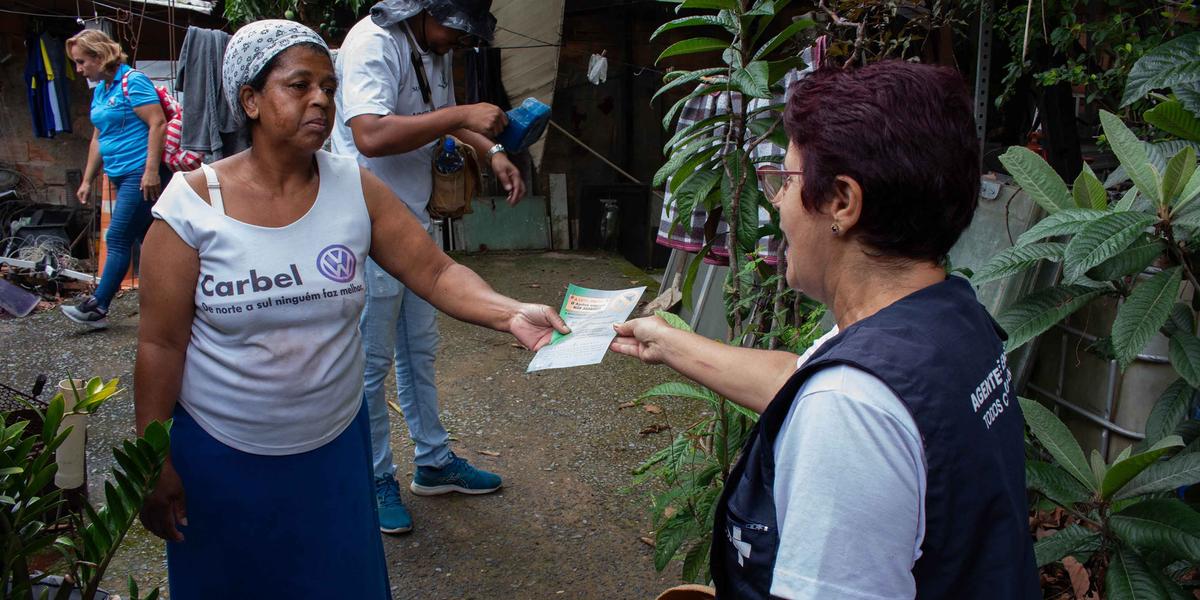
x: 297, y: 526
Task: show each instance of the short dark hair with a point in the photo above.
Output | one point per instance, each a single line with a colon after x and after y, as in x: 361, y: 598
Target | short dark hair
x: 905, y: 133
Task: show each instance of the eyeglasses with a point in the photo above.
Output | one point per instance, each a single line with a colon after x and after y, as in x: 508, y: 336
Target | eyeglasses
x: 774, y: 181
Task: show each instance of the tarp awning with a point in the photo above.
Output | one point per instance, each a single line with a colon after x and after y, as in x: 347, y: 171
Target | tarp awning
x: 529, y: 34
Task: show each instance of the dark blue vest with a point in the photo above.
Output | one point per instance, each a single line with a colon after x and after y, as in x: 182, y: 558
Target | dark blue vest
x: 941, y: 353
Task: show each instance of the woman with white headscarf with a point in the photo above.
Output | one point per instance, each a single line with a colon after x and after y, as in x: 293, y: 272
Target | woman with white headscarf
x: 253, y: 287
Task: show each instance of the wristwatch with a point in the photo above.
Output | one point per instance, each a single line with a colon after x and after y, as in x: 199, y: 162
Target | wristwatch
x: 494, y: 150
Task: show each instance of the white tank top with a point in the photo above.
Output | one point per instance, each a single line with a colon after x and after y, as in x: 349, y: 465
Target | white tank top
x: 275, y: 365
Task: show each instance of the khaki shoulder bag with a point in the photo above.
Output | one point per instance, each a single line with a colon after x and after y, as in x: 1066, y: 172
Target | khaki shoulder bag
x: 452, y: 192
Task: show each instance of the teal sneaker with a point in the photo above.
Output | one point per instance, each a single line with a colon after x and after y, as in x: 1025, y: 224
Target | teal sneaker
x: 457, y: 476
x: 393, y: 516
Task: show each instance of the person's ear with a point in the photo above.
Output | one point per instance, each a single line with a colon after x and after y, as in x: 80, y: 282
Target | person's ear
x: 249, y: 100
x: 846, y: 206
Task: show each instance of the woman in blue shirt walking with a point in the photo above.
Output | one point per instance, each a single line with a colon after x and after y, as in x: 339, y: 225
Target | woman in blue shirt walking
x: 128, y: 139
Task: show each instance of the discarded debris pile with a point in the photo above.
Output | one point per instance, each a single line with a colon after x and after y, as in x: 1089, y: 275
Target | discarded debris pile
x: 39, y: 249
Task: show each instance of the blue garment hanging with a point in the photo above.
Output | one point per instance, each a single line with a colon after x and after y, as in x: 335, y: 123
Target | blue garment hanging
x: 38, y: 89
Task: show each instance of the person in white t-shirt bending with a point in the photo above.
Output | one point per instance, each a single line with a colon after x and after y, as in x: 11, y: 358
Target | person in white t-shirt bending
x: 395, y: 102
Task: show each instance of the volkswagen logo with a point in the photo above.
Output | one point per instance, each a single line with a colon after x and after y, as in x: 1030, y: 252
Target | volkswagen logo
x: 337, y: 263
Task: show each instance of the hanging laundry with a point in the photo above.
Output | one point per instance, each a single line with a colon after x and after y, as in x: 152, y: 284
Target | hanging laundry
x: 597, y: 72
x: 58, y: 73
x: 38, y: 89
x: 208, y: 125
x: 693, y: 233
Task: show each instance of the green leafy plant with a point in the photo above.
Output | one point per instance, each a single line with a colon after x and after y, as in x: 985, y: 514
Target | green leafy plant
x: 711, y: 164
x: 1140, y: 249
x: 329, y: 17
x: 1132, y: 535
x: 1091, y: 44
x: 31, y: 514
x: 694, y: 466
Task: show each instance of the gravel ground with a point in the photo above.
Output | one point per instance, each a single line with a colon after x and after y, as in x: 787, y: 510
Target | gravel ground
x: 565, y: 525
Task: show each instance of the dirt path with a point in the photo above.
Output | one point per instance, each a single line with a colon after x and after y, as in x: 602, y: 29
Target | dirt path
x: 565, y: 525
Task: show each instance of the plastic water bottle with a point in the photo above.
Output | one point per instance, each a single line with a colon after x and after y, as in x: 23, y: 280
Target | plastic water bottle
x: 448, y: 160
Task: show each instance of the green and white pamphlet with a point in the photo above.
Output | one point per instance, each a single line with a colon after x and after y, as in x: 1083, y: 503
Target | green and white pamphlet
x: 591, y: 315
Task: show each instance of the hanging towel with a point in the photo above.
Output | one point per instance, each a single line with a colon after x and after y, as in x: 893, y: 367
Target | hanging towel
x: 206, y: 116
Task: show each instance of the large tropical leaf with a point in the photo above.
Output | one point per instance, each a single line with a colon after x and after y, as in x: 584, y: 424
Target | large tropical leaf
x: 1132, y: 154
x: 1164, y: 476
x: 1039, y: 311
x: 1130, y: 261
x: 1191, y: 189
x: 1188, y: 94
x: 1058, y: 441
x: 1143, y: 313
x: 1016, y: 259
x: 788, y: 33
x: 676, y: 389
x: 1185, y: 356
x: 738, y: 169
x: 1037, y: 178
x: 1163, y: 524
x: 1179, y: 173
x: 1129, y: 578
x: 753, y: 80
x: 1173, y: 118
x: 673, y: 320
x: 692, y: 46
x: 1101, y: 240
x: 730, y: 5
x: 1055, y: 483
x: 1063, y: 543
x: 719, y: 20
x: 1065, y: 222
x: 696, y: 151
x: 1169, y: 411
x: 1122, y: 471
x: 693, y: 191
x: 1172, y: 64
x: 1088, y: 190
x: 687, y: 77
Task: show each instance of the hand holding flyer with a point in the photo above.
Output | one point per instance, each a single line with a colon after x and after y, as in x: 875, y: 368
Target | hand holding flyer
x: 591, y: 315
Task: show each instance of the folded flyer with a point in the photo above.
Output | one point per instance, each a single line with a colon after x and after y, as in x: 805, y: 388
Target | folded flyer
x: 591, y: 315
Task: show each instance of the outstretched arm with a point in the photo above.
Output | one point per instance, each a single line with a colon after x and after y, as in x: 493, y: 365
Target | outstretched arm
x: 402, y: 247
x: 747, y: 376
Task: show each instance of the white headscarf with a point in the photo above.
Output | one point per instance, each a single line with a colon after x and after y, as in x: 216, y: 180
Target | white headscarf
x: 251, y: 48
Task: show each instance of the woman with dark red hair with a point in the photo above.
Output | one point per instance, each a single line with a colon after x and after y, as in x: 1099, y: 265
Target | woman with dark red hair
x: 888, y: 461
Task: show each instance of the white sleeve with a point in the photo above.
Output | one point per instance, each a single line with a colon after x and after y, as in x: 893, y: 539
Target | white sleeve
x: 372, y: 73
x: 178, y: 206
x: 849, y: 491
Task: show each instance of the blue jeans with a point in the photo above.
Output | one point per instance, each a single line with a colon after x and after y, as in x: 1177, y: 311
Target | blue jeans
x: 130, y: 220
x: 398, y: 325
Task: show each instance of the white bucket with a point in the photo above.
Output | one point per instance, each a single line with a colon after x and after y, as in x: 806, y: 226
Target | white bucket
x: 70, y: 455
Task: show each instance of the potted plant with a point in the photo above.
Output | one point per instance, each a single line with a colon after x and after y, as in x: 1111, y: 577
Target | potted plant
x: 29, y: 506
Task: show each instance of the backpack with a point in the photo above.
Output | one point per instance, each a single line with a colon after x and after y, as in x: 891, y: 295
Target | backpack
x: 174, y: 156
